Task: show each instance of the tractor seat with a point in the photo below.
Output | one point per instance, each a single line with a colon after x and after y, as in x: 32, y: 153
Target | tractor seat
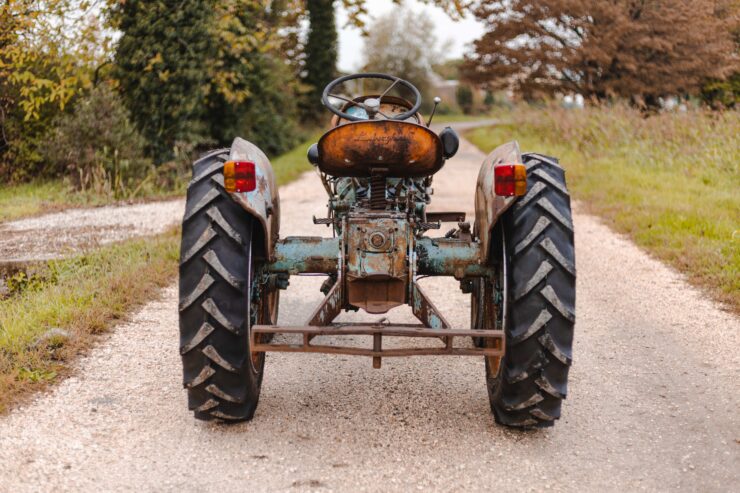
x: 393, y: 148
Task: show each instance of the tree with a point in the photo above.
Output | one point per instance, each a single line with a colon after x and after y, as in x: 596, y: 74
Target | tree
x: 253, y: 90
x: 634, y: 49
x: 357, y: 9
x: 402, y: 43
x: 198, y: 73
x: 96, y: 145
x: 464, y: 96
x: 162, y: 67
x: 725, y: 93
x: 48, y: 54
x: 321, y: 52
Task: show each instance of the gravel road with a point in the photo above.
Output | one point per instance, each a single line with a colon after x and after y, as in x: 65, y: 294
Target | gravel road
x: 75, y: 230
x: 653, y: 401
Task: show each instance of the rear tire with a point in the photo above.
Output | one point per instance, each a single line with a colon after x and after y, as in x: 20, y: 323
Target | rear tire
x: 222, y: 376
x: 528, y: 388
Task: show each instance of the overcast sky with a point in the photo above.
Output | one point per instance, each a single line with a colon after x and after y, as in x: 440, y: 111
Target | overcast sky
x: 460, y: 34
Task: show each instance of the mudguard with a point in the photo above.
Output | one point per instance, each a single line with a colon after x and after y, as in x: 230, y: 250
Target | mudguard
x: 263, y: 203
x: 488, y: 206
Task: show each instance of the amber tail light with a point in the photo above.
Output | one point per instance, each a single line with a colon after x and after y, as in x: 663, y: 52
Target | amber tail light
x: 510, y: 180
x: 239, y: 176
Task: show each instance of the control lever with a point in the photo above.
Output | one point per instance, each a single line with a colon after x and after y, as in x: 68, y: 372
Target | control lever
x: 437, y: 100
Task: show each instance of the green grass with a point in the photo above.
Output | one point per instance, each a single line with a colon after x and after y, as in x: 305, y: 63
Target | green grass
x: 29, y: 199
x: 294, y: 163
x: 83, y: 296
x: 671, y: 182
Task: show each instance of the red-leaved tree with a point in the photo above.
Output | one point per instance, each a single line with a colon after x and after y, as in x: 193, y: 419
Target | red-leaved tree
x: 637, y: 49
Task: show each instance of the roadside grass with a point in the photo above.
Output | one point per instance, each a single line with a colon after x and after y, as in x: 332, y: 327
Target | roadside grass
x: 51, y: 316
x: 34, y: 198
x: 671, y: 182
x: 294, y: 163
x: 29, y: 199
x: 54, y: 310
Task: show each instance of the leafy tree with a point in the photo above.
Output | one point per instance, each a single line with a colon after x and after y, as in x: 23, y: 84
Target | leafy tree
x: 489, y: 100
x: 200, y: 72
x: 253, y: 90
x: 162, y: 67
x: 464, y: 96
x: 96, y: 145
x: 639, y: 50
x: 449, y: 69
x: 725, y: 93
x: 402, y: 43
x: 357, y: 9
x: 48, y: 54
x: 321, y: 52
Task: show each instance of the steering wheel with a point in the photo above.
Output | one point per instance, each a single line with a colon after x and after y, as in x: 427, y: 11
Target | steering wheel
x: 370, y: 105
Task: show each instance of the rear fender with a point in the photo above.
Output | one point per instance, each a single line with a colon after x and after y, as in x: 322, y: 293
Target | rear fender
x: 488, y: 206
x: 262, y: 203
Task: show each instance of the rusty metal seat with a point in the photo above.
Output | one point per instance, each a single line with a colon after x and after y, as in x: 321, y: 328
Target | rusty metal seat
x: 393, y: 148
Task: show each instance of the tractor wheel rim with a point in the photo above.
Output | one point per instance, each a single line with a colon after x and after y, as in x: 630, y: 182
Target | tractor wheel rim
x: 493, y: 366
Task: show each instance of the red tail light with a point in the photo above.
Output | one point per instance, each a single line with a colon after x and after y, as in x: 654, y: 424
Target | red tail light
x: 510, y: 180
x: 239, y: 176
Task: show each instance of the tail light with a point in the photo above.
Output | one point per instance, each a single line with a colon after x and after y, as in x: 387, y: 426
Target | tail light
x: 239, y: 176
x: 510, y: 180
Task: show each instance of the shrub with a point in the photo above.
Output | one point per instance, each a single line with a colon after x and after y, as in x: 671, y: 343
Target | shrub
x: 723, y: 93
x: 464, y: 97
x: 96, y: 147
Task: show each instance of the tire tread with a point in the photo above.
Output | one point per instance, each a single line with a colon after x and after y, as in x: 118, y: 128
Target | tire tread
x: 539, y: 232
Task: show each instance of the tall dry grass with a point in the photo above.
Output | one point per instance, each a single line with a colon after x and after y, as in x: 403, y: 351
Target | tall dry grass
x: 670, y: 181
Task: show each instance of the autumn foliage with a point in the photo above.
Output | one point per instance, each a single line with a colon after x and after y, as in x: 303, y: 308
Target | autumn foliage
x: 636, y: 49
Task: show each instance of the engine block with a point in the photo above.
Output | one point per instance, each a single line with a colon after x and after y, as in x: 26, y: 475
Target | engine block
x: 377, y: 266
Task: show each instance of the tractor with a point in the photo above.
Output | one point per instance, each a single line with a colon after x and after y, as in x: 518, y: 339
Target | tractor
x: 377, y: 162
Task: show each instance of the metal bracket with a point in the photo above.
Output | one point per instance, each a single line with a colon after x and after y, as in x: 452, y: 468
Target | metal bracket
x: 377, y: 332
x: 329, y: 308
x: 424, y: 309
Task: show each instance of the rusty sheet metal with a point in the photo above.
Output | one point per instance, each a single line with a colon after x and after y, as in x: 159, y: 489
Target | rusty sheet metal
x: 377, y: 267
x: 404, y: 149
x: 488, y: 205
x: 449, y: 257
x: 330, y: 307
x: 263, y: 203
x: 306, y: 255
x: 426, y: 312
x: 445, y: 217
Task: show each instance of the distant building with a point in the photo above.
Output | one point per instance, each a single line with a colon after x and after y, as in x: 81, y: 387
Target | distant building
x: 445, y: 89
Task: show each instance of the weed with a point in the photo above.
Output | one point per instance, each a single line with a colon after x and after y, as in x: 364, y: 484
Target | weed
x: 670, y: 181
x: 43, y: 328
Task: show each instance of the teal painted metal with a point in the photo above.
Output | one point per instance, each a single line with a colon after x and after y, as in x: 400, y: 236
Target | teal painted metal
x: 424, y: 309
x: 449, y: 257
x: 435, y: 257
x: 306, y: 254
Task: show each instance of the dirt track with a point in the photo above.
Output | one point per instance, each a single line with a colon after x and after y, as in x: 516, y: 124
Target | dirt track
x: 653, y: 401
x: 75, y: 230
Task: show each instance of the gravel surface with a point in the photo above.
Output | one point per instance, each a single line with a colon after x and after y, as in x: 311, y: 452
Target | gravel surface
x: 653, y: 401
x: 75, y: 230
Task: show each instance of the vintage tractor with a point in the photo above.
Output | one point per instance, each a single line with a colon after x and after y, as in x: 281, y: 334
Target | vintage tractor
x: 377, y: 162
